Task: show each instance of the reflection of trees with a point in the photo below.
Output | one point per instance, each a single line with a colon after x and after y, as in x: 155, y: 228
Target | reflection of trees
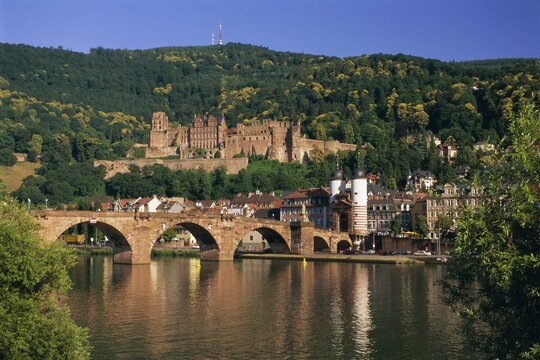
x: 185, y: 308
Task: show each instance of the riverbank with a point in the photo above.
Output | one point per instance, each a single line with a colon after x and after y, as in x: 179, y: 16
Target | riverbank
x: 176, y: 253
x: 83, y: 250
x: 329, y: 257
x: 92, y: 250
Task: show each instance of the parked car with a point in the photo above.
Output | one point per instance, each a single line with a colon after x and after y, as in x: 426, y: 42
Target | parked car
x: 404, y: 252
x: 368, y: 252
x: 422, y: 253
x: 389, y: 252
x: 349, y: 252
x: 104, y: 243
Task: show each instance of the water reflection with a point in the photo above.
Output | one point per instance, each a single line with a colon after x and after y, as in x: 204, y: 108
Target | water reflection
x: 180, y: 308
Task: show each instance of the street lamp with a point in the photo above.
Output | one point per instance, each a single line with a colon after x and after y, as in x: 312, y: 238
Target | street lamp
x: 376, y: 227
x: 29, y: 201
x: 46, y: 204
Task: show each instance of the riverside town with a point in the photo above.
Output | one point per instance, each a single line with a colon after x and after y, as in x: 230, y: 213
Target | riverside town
x: 168, y: 191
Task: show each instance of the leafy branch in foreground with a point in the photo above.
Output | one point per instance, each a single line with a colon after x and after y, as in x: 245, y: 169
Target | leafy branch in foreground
x: 493, y: 277
x: 33, y: 283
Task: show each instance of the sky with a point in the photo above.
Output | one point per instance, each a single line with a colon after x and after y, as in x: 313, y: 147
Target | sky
x: 440, y: 29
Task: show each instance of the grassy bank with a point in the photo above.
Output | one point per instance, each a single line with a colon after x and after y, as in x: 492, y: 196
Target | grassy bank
x: 93, y: 251
x: 13, y: 176
x: 175, y: 253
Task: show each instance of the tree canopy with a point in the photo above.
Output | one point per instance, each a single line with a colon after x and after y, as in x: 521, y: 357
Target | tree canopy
x: 33, y: 282
x: 493, y: 276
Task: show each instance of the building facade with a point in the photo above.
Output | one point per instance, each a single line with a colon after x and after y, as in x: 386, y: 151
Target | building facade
x: 448, y: 203
x: 310, y: 203
x: 421, y: 180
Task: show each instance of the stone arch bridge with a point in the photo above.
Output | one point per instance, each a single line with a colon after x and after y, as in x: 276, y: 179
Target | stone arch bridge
x: 133, y: 234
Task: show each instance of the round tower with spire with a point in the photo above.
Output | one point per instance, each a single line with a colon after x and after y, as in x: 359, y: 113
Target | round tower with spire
x: 337, y: 184
x: 337, y: 181
x: 359, y: 202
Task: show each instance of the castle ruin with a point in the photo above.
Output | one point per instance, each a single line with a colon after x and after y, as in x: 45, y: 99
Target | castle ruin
x: 209, y: 137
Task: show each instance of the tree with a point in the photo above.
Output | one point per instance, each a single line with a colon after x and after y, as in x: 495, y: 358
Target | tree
x: 84, y: 204
x: 169, y: 234
x: 7, y: 158
x: 396, y: 226
x: 421, y: 226
x: 199, y: 153
x: 3, y: 189
x: 35, y: 144
x: 493, y: 276
x: 36, y: 323
x: 443, y: 225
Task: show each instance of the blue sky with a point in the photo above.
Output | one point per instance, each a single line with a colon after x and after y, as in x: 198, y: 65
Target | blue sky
x: 441, y: 29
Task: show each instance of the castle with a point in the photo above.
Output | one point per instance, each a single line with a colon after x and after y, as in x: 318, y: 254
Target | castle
x: 209, y: 138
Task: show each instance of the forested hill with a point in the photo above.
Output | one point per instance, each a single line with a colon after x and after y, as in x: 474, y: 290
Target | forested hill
x: 73, y: 106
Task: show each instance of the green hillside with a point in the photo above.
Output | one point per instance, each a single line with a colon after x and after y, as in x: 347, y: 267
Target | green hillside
x: 74, y: 107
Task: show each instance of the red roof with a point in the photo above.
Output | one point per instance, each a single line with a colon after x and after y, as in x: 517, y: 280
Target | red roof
x: 144, y: 201
x: 308, y: 193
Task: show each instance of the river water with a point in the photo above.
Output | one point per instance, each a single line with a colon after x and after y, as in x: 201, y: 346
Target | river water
x: 177, y: 308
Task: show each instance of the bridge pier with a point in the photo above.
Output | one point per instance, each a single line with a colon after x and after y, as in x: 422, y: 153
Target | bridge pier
x: 302, y: 234
x: 217, y: 255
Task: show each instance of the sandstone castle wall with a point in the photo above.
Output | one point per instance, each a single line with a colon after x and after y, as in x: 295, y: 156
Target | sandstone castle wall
x: 122, y: 166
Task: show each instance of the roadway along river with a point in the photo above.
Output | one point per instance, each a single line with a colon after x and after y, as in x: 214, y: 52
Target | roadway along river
x: 263, y: 309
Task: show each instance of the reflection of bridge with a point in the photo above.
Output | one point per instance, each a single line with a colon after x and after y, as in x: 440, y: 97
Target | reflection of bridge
x: 133, y: 234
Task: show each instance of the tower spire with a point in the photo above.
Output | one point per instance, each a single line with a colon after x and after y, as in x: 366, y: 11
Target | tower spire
x: 220, y: 35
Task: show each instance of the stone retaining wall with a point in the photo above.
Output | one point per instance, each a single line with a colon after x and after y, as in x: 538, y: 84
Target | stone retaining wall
x: 122, y: 166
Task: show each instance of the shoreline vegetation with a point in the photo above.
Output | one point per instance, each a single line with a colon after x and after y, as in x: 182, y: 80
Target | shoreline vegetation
x: 317, y: 257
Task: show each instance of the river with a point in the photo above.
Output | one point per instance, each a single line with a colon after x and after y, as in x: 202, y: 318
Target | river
x: 265, y: 309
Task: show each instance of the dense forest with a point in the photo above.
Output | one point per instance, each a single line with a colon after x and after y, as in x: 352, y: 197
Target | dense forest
x: 66, y: 109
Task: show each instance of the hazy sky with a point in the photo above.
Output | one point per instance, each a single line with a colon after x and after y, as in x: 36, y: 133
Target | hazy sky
x: 441, y: 29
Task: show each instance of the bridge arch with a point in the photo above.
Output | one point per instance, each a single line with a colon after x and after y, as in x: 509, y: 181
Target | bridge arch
x: 202, y: 235
x: 277, y: 242
x: 122, y: 249
x: 343, y: 245
x: 320, y: 244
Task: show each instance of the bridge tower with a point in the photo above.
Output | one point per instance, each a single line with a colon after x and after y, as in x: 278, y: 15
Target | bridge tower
x: 359, y: 201
x: 337, y: 184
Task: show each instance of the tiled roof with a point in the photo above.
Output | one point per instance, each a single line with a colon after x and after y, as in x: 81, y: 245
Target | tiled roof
x: 166, y: 205
x: 259, y: 199
x: 144, y: 201
x: 207, y: 203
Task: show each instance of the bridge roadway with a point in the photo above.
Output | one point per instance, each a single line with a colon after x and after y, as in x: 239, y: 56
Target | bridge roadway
x: 133, y: 234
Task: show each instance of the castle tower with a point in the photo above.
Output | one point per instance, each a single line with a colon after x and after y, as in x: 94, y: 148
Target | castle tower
x: 222, y: 137
x: 158, y: 133
x: 359, y: 200
x: 297, y: 148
